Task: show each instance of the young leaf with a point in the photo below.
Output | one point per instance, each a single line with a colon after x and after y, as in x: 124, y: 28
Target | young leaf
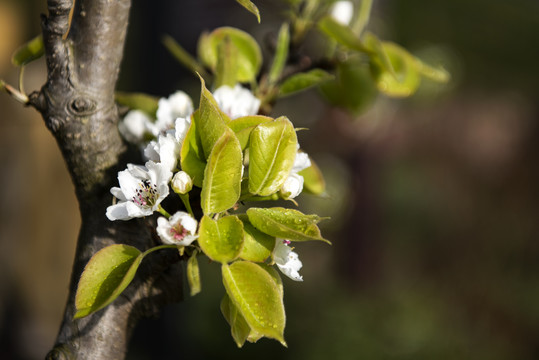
x: 243, y: 126
x: 342, y: 34
x: 249, y: 55
x: 438, y: 74
x: 286, y: 223
x: 227, y: 65
x: 239, y: 328
x: 211, y: 120
x: 313, y: 180
x: 281, y: 54
x: 379, y: 52
x: 221, y: 187
x: 29, y: 52
x: 105, y: 276
x: 304, y: 81
x: 257, y: 296
x: 138, y: 101
x: 192, y: 157
x: 257, y: 246
x: 354, y: 88
x: 183, y: 56
x: 193, y: 274
x: 221, y: 240
x: 272, y: 150
x: 406, y: 78
x: 250, y: 7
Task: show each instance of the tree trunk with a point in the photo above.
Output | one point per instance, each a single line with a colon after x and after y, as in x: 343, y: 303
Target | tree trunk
x: 77, y: 103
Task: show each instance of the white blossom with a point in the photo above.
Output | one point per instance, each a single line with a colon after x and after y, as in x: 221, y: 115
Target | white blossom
x: 164, y: 150
x: 177, y: 105
x: 181, y: 182
x: 292, y: 186
x: 180, y: 229
x: 142, y: 188
x: 287, y: 261
x: 237, y: 101
x: 301, y: 162
x: 134, y: 125
x: 342, y: 12
x: 181, y: 127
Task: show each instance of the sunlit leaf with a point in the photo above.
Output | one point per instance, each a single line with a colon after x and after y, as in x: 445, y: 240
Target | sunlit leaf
x: 105, y: 276
x: 227, y: 65
x: 257, y: 246
x: 211, y: 121
x: 272, y: 150
x: 249, y: 55
x: 251, y: 7
x: 221, y: 187
x: 192, y: 157
x: 138, y: 101
x: 243, y: 126
x: 221, y: 240
x: 32, y: 50
x: 239, y: 328
x: 304, y: 81
x: 286, y: 223
x: 438, y: 74
x: 257, y: 296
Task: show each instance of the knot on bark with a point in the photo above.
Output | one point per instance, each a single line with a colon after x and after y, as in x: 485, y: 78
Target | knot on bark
x: 82, y: 105
x: 60, y: 352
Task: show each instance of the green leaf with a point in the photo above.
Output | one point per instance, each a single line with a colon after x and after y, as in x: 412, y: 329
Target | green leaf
x: 29, y: 52
x: 272, y: 150
x: 243, y: 126
x: 239, y: 328
x: 193, y: 274
x: 221, y: 240
x: 257, y: 246
x: 192, y: 157
x: 281, y: 54
x: 211, y: 122
x: 354, y: 88
x: 304, y: 81
x: 286, y: 223
x: 105, y: 276
x: 183, y: 56
x: 138, y: 101
x: 313, y: 180
x: 379, y: 52
x: 250, y: 7
x: 438, y: 74
x: 221, y: 187
x: 342, y: 34
x: 406, y: 78
x: 227, y: 65
x: 275, y: 275
x: 256, y: 295
x: 249, y: 55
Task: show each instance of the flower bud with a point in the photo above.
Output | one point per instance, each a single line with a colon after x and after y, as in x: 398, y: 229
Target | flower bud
x: 182, y: 182
x: 292, y: 186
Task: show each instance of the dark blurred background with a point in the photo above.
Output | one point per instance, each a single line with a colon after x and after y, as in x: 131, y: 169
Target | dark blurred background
x: 433, y: 199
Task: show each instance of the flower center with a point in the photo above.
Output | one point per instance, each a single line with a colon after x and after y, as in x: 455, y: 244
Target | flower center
x: 178, y: 232
x: 146, y: 195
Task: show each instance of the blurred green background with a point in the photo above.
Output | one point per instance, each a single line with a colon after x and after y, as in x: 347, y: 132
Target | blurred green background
x: 433, y: 199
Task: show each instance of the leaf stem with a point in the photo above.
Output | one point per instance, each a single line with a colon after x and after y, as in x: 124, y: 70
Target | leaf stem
x: 163, y: 212
x: 185, y: 200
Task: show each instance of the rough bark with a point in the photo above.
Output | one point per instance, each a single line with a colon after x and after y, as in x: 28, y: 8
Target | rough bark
x: 77, y: 104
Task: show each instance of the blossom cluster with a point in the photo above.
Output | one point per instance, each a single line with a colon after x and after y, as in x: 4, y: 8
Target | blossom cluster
x: 142, y: 189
